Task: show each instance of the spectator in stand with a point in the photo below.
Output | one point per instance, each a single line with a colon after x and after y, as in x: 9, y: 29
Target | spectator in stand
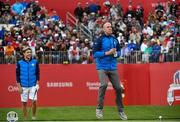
x: 120, y: 26
x: 146, y: 56
x: 156, y: 39
x: 132, y: 45
x: 164, y: 52
x: 7, y: 7
x: 162, y: 37
x: 91, y: 24
x: 85, y: 18
x: 147, y: 30
x: 94, y: 8
x: 171, y: 43
x: 16, y: 46
x: 35, y: 8
x: 2, y: 33
x: 159, y: 6
x: 156, y: 50
x: 8, y: 37
x: 74, y: 53
x: 78, y: 12
x: 167, y: 7
x: 49, y: 47
x: 86, y: 8
x: 139, y: 14
x: 157, y: 28
x: 31, y: 43
x: 166, y: 37
x: 85, y: 53
x: 63, y: 58
x: 174, y: 8
x: 159, y: 10
x: 9, y: 53
x: 135, y: 35
x: 119, y: 8
x: 1, y: 52
x: 113, y: 11
x: 176, y: 25
x: 105, y: 10
x: 121, y: 40
x: 1, y: 6
x: 130, y: 11
x: 143, y: 45
x: 54, y: 16
x: 24, y: 3
x: 125, y: 53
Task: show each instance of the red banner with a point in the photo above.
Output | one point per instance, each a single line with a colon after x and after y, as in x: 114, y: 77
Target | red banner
x: 77, y: 85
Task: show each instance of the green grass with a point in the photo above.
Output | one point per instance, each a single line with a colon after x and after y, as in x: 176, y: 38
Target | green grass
x: 87, y: 113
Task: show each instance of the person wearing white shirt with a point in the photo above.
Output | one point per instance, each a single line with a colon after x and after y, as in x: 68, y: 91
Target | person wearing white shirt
x: 164, y: 52
x: 147, y: 30
x: 143, y: 45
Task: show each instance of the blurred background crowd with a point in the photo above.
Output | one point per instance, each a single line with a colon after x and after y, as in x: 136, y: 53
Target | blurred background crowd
x: 155, y: 38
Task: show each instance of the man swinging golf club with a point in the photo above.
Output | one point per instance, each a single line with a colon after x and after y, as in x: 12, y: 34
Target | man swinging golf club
x: 27, y: 77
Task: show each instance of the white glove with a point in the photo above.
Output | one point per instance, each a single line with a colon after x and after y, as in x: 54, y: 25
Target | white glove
x: 37, y: 87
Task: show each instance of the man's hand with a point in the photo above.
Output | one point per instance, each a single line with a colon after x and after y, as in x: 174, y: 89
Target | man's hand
x: 111, y: 51
x: 37, y: 87
x: 20, y: 90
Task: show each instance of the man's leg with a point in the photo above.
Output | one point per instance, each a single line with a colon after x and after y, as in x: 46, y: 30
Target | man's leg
x: 113, y: 76
x: 24, y: 107
x: 24, y: 99
x: 33, y: 97
x: 34, y: 109
x: 102, y: 89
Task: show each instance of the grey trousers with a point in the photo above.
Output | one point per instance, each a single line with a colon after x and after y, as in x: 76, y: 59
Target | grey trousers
x: 104, y: 77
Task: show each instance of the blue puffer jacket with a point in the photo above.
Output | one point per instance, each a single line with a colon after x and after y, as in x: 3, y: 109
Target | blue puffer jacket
x: 101, y: 45
x: 27, y: 73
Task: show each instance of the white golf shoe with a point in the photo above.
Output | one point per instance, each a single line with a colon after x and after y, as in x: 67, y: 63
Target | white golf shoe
x: 123, y: 116
x: 99, y: 113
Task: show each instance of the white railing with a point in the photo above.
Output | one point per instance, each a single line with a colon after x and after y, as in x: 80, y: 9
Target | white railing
x: 84, y: 30
x: 70, y: 19
x: 58, y: 57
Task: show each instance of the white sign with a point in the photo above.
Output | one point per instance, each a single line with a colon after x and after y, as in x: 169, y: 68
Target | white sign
x: 174, y: 86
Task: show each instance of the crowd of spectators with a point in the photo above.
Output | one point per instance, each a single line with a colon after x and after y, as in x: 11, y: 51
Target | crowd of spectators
x: 54, y: 41
x: 44, y: 31
x: 153, y: 38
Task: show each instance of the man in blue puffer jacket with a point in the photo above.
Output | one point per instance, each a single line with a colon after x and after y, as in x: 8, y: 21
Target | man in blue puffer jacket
x: 27, y: 76
x: 106, y: 49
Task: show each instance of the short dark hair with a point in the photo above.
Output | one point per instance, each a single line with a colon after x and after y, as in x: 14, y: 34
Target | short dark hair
x: 24, y: 49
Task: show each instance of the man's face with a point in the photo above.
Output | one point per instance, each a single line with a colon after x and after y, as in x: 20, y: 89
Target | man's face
x: 107, y: 28
x: 27, y: 54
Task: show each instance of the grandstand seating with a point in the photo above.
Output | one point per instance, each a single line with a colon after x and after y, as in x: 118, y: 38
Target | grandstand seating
x: 51, y: 38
